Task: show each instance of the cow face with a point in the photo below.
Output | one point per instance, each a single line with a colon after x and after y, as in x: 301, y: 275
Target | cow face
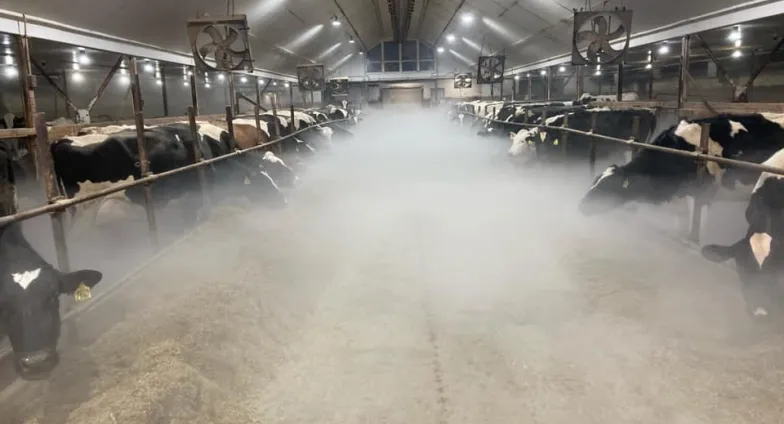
x: 609, y: 191
x: 325, y: 132
x: 523, y: 140
x: 30, y: 313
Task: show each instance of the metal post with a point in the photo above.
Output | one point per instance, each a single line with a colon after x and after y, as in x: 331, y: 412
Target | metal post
x: 619, y: 89
x: 650, y: 83
x: 144, y: 164
x: 276, y: 123
x: 65, y: 90
x: 565, y: 136
x: 492, y: 91
x: 529, y: 88
x: 233, y: 94
x: 163, y: 92
x: 291, y: 98
x: 635, y: 132
x: 592, y: 156
x: 230, y: 128
x: 502, y: 88
x: 194, y: 92
x: 580, y: 80
x: 684, y: 72
x: 198, y: 156
x: 549, y: 77
x: 28, y: 84
x: 699, y: 198
x: 44, y: 159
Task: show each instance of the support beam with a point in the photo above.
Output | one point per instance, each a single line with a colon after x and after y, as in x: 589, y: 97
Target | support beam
x: 684, y: 72
x: 54, y: 85
x: 28, y: 84
x: 194, y: 91
x: 164, y: 93
x: 580, y: 80
x: 743, y: 96
x: 619, y: 87
x: 105, y: 84
x: 549, y: 82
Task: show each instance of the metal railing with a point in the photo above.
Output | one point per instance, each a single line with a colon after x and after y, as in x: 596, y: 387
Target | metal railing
x: 700, y: 154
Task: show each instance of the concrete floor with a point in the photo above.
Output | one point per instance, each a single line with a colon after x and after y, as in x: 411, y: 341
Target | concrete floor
x: 418, y: 278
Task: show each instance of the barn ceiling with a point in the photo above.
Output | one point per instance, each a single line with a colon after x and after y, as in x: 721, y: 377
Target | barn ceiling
x: 286, y: 33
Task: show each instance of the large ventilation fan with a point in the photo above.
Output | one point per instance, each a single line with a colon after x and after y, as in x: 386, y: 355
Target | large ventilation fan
x: 338, y: 86
x: 222, y: 39
x: 310, y: 77
x: 595, y: 33
x: 463, y: 81
x: 490, y: 69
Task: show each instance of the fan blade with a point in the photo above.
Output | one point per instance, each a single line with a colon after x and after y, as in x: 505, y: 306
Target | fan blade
x: 601, y: 25
x: 617, y: 33
x: 213, y: 32
x: 206, y: 49
x: 587, y: 36
x: 231, y: 38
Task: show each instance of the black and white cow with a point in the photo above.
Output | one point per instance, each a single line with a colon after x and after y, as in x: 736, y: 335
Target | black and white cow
x: 656, y: 177
x: 613, y: 123
x: 759, y: 255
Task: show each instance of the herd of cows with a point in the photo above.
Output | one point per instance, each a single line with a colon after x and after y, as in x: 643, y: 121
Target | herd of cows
x: 653, y: 177
x: 99, y: 157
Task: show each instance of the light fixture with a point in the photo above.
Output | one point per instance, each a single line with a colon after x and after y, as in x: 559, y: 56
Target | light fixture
x: 123, y: 71
x: 158, y: 81
x: 221, y: 77
x: 664, y: 49
x: 450, y: 38
x: 75, y: 66
x: 598, y: 73
x: 11, y: 71
x: 562, y: 69
x: 351, y: 40
x: 467, y: 18
x: 190, y: 73
x: 244, y: 79
x: 738, y: 43
x: 78, y: 77
x: 6, y: 41
x: 286, y: 85
x: 649, y: 66
x: 125, y: 79
x: 9, y: 60
x: 361, y: 52
x: 517, y: 77
x: 528, y: 75
x: 148, y: 67
x: 736, y: 54
x: 185, y: 83
x: 335, y: 21
x: 261, y: 81
x: 274, y: 83
x: 83, y: 59
x: 440, y: 49
x: 543, y: 72
x: 735, y: 35
x: 206, y: 85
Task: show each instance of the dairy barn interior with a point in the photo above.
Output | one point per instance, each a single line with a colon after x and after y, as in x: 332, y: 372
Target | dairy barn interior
x: 421, y: 211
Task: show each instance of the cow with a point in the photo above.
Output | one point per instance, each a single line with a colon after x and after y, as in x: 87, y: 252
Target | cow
x: 759, y: 255
x: 614, y: 123
x: 656, y: 177
x: 30, y: 290
x: 114, y: 157
x: 625, y: 97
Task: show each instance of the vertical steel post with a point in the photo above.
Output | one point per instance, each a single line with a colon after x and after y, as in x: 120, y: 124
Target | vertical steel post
x: 291, y: 98
x: 699, y: 199
x: 635, y: 132
x: 549, y: 77
x: 530, y: 89
x: 164, y: 94
x: 619, y: 87
x: 45, y: 164
x: 194, y: 91
x: 580, y: 80
x: 592, y: 155
x: 144, y: 164
x: 683, y: 75
x: 565, y: 136
x: 233, y: 94
x: 650, y: 84
x: 276, y: 122
x: 27, y: 83
x: 198, y: 155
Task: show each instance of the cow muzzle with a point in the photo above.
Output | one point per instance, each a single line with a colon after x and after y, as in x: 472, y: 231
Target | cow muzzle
x: 36, y: 365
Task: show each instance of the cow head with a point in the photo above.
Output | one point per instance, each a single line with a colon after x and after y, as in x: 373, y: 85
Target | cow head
x: 30, y: 311
x: 325, y: 132
x: 610, y: 190
x: 759, y: 255
x: 523, y: 140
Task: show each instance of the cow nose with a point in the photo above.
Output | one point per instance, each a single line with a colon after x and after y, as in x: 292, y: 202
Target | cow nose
x: 37, y: 362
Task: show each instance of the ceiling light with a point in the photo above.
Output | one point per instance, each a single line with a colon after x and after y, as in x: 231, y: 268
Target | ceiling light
x: 648, y: 66
x: 467, y: 18
x: 123, y: 71
x: 450, y: 38
x: 274, y: 83
x: 735, y: 35
x: 185, y: 83
x: 9, y: 60
x: 543, y: 72
x: 83, y: 59
x: 286, y: 85
x: 78, y: 77
x: 190, y: 73
x: 517, y: 77
x: 6, y: 41
x: 736, y: 54
x: 159, y: 82
x: 562, y: 69
x: 125, y: 79
x: 261, y: 81
x: 75, y: 66
x: 148, y: 67
x: 361, y: 52
x: 351, y: 40
x: 664, y: 49
x: 221, y: 77
x: 528, y: 75
x: 207, y: 85
x: 244, y: 79
x: 738, y: 43
x: 335, y: 21
x: 440, y: 49
x: 598, y: 72
x: 11, y: 71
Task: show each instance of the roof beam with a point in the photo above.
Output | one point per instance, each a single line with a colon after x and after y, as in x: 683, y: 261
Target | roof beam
x: 459, y: 6
x: 745, y: 12
x: 35, y: 27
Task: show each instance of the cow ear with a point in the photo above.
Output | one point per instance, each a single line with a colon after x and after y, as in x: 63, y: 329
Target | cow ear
x: 512, y: 136
x: 717, y: 253
x: 70, y: 282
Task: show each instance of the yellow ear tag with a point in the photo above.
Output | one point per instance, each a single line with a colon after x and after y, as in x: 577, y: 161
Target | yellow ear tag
x: 247, y: 180
x: 625, y: 183
x: 82, y: 293
x: 555, y: 143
